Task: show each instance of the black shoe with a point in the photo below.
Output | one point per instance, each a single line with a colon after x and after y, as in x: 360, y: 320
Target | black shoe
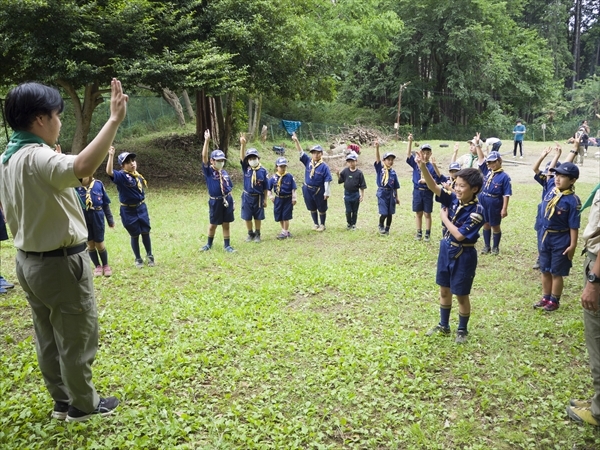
x: 104, y: 408
x: 250, y: 237
x: 257, y: 238
x: 60, y: 410
x: 495, y: 251
x: 485, y: 250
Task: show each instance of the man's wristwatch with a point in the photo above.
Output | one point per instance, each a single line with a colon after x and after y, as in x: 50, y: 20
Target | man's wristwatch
x: 592, y: 278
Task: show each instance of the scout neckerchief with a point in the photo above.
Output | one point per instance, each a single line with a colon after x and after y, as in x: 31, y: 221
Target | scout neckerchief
x: 138, y: 179
x: 315, y: 164
x: 279, y: 181
x: 385, y: 175
x: 17, y: 140
x: 88, y: 195
x: 460, y: 206
x: 491, y: 176
x: 473, y: 158
x: 551, y: 206
x: 590, y: 199
x: 221, y: 180
x: 254, y: 169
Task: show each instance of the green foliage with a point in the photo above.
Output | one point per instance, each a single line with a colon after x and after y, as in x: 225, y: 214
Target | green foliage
x: 586, y: 96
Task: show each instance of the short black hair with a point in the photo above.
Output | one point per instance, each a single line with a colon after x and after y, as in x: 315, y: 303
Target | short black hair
x: 472, y: 177
x: 28, y: 100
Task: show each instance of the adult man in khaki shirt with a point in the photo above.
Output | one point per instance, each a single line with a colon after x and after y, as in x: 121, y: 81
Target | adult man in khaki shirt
x: 47, y: 222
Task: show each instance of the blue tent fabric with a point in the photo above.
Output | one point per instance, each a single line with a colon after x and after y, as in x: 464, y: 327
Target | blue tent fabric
x: 290, y: 126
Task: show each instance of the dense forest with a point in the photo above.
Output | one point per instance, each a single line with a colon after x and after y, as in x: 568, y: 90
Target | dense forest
x: 456, y: 63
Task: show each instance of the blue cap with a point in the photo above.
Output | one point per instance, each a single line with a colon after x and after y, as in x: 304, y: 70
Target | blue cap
x: 281, y: 162
x: 493, y: 156
x: 547, y: 168
x: 123, y: 156
x: 252, y: 152
x: 388, y: 155
x: 454, y: 166
x: 316, y: 148
x: 351, y: 157
x: 217, y: 154
x: 425, y: 147
x: 567, y: 168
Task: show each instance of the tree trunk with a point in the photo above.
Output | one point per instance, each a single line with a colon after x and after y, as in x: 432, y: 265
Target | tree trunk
x: 250, y: 109
x: 228, y: 127
x: 576, y: 42
x: 172, y: 99
x: 92, y: 97
x: 203, y: 121
x: 188, y: 105
x: 256, y: 122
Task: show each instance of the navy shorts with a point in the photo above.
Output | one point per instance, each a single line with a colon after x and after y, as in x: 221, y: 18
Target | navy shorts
x: 252, y: 207
x: 94, y: 221
x: 552, y: 247
x: 456, y: 267
x: 386, y: 202
x: 283, y: 208
x: 422, y: 200
x: 135, y: 219
x: 314, y: 198
x: 218, y: 213
x: 492, y: 207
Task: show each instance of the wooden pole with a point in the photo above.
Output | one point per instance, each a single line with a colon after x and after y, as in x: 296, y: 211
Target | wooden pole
x: 402, y: 87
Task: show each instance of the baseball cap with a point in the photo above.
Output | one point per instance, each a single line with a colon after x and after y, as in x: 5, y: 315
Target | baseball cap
x: 217, y: 154
x: 123, y: 156
x: 251, y: 152
x: 281, y: 162
x: 493, y: 156
x: 567, y: 168
x: 316, y: 148
x: 425, y: 147
x: 454, y: 166
x: 351, y: 157
x: 388, y: 155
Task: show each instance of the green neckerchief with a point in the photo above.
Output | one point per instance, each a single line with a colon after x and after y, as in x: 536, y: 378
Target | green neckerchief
x: 17, y: 141
x: 590, y: 199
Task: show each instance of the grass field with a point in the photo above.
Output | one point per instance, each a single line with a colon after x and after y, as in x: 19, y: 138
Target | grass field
x: 313, y: 342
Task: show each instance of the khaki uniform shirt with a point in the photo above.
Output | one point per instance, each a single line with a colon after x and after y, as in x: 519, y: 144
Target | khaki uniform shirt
x: 591, y: 235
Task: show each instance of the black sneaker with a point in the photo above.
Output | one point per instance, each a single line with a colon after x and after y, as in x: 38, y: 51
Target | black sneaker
x: 485, y: 250
x: 495, y: 251
x: 438, y: 329
x: 150, y: 259
x: 105, y: 408
x: 60, y: 410
x: 257, y: 238
x: 461, y: 336
x: 250, y: 237
x: 427, y: 237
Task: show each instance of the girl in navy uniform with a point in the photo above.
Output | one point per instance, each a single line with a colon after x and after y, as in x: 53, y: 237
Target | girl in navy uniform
x: 282, y: 192
x: 220, y: 202
x: 254, y: 197
x: 387, y: 189
x: 95, y: 203
x: 132, y: 195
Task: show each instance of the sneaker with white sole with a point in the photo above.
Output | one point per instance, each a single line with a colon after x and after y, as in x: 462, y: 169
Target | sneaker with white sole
x: 139, y: 263
x: 321, y: 228
x: 150, y: 259
x: 106, y: 270
x: 105, y: 407
x: 60, y: 410
x: 461, y: 336
x: 438, y: 329
x: 98, y: 271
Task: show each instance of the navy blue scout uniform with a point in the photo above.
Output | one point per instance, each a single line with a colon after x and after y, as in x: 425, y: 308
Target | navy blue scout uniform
x: 353, y: 183
x: 496, y: 185
x: 96, y: 206
x: 255, y: 185
x: 315, y: 177
x: 387, y: 183
x: 422, y: 196
x: 219, y: 184
x: 282, y: 187
x: 547, y: 183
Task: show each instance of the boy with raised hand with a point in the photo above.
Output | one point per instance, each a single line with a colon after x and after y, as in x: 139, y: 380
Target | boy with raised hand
x: 387, y: 189
x: 282, y: 192
x: 462, y: 216
x: 131, y: 186
x: 220, y: 200
x: 422, y: 203
x: 317, y: 179
x: 354, y: 189
x: 254, y: 197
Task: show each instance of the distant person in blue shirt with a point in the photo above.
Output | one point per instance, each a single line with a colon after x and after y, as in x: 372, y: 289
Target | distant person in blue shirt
x: 519, y: 133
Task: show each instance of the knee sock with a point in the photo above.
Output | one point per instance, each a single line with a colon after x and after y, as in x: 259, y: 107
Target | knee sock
x: 353, y: 216
x: 94, y: 257
x: 388, y: 222
x: 210, y: 240
x: 463, y: 321
x: 226, y: 242
x: 496, y: 237
x: 487, y: 236
x: 104, y: 257
x: 445, y: 315
x: 349, y: 218
x: 147, y: 243
x: 135, y: 246
x: 381, y: 220
x: 315, y: 217
x: 323, y: 218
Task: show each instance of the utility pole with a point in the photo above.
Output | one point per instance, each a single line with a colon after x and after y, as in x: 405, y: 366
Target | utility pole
x: 402, y: 87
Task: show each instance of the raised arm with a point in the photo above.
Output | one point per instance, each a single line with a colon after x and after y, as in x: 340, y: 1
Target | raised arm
x: 431, y: 184
x: 575, y: 149
x: 297, y: 143
x: 538, y: 162
x: 110, y: 162
x: 478, y: 145
x: 435, y: 167
x: 557, y: 154
x: 242, y: 146
x: 205, y: 147
x: 377, y: 155
x: 409, y: 146
x: 454, y: 153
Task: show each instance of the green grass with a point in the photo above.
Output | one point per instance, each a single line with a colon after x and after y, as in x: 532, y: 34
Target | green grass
x: 313, y: 342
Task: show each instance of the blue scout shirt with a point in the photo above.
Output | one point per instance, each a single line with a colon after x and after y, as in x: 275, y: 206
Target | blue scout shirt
x: 213, y: 181
x: 392, y: 182
x: 566, y: 212
x: 416, y: 175
x: 288, y: 184
x: 495, y: 184
x: 131, y: 188
x: 95, y: 198
x: 468, y: 218
x: 545, y: 181
x: 260, y: 179
x: 321, y: 175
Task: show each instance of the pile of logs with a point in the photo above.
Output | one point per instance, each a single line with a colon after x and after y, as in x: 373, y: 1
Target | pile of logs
x: 361, y: 136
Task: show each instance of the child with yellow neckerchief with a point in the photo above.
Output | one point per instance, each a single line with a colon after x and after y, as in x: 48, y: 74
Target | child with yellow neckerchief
x: 387, y: 189
x: 559, y: 230
x: 254, y: 196
x: 132, y: 195
x: 282, y: 192
x: 494, y: 197
x: 95, y: 203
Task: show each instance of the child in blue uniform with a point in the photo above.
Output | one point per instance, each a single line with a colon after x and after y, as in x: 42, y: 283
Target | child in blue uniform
x: 96, y: 207
x: 317, y: 179
x: 559, y: 230
x: 462, y: 216
x: 387, y: 189
x: 254, y: 197
x: 220, y: 200
x: 496, y: 192
x: 132, y: 195
x: 354, y: 189
x: 422, y: 203
x: 282, y: 192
